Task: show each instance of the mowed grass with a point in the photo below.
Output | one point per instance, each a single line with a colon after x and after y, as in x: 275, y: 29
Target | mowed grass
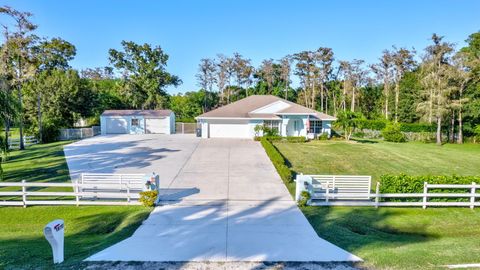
x: 401, y: 238
x: 393, y: 238
x: 38, y: 163
x: 88, y: 229
x: 377, y: 157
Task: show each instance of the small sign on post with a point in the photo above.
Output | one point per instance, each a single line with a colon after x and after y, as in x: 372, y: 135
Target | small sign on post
x: 54, y: 233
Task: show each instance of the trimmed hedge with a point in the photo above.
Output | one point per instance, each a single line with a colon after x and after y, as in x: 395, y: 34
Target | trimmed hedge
x: 373, y: 124
x: 405, y: 127
x: 414, y: 184
x: 278, y: 160
x: 290, y: 139
x: 417, y: 127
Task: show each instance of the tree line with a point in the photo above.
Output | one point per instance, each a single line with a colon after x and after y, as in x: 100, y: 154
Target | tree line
x: 439, y: 86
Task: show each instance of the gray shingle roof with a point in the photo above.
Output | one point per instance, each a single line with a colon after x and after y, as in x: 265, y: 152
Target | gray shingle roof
x: 145, y: 113
x: 244, y: 107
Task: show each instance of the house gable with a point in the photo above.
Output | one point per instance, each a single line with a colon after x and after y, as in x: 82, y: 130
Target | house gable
x: 271, y: 108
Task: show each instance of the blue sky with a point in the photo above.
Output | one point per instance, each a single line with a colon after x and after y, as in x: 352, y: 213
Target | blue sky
x: 191, y: 30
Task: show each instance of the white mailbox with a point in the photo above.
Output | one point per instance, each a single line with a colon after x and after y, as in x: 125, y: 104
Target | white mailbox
x: 54, y: 232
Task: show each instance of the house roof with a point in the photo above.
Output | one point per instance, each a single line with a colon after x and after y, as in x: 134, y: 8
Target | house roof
x: 245, y: 108
x: 144, y: 113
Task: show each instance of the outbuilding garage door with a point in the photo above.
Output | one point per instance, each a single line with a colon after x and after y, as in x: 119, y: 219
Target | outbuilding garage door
x: 116, y: 126
x: 229, y: 131
x: 158, y: 125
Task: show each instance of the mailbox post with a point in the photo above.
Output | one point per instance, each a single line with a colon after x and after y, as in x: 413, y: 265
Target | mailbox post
x: 54, y: 233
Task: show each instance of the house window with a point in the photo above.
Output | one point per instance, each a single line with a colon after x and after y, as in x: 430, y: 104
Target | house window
x: 135, y: 122
x: 315, y: 126
x: 274, y: 125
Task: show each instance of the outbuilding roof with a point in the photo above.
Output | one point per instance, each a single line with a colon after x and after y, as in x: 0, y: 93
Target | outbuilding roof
x: 145, y: 113
x: 245, y: 108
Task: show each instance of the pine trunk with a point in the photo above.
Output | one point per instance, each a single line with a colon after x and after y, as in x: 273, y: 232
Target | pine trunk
x: 452, y: 128
x: 39, y: 114
x: 439, y: 130
x: 397, y: 97
x: 460, y: 127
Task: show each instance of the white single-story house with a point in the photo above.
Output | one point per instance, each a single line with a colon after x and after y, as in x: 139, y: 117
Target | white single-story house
x: 137, y: 122
x: 238, y: 119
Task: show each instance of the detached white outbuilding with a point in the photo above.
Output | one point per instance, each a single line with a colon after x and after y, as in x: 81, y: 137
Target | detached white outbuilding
x: 137, y: 122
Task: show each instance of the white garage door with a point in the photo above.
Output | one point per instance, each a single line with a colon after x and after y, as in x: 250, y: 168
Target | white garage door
x: 157, y: 125
x: 229, y: 131
x: 116, y: 126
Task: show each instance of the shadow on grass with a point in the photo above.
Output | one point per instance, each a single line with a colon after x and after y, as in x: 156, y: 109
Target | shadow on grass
x: 354, y: 228
x: 103, y: 230
x: 364, y: 141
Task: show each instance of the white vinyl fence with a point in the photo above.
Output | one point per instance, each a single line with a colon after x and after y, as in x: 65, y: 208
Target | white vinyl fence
x: 91, y: 189
x: 185, y: 128
x: 14, y: 143
x: 325, y: 191
x: 67, y: 134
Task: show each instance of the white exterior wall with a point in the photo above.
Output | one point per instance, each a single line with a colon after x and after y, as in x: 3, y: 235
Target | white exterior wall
x: 286, y: 125
x: 327, y: 127
x: 172, y: 123
x: 204, y: 126
x: 103, y: 125
x: 135, y: 130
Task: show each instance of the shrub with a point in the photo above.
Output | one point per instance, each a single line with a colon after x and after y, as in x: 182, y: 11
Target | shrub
x: 295, y: 139
x: 414, y: 184
x: 476, y: 131
x: 392, y: 133
x: 50, y: 132
x: 323, y: 137
x: 373, y: 124
x: 273, y: 138
x: 304, y: 198
x: 358, y: 134
x: 148, y: 198
x: 417, y: 127
x: 269, y: 132
x: 278, y: 160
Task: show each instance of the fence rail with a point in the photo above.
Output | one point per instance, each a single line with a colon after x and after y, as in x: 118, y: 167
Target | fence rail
x: 14, y: 143
x: 330, y: 196
x: 67, y: 134
x: 80, y: 194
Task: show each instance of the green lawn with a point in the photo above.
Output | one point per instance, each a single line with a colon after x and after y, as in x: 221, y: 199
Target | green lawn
x: 88, y: 229
x: 393, y: 238
x: 377, y: 157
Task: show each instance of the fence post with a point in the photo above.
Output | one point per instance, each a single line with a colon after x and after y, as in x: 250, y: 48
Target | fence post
x: 472, y: 199
x: 425, y: 191
x: 327, y: 192
x: 183, y: 128
x: 81, y: 133
x: 128, y: 193
x: 77, y: 190
x: 24, y: 194
x: 377, y: 194
x: 298, y: 188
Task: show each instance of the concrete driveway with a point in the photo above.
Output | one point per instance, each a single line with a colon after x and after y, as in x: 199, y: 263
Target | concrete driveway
x: 162, y: 154
x: 225, y: 202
